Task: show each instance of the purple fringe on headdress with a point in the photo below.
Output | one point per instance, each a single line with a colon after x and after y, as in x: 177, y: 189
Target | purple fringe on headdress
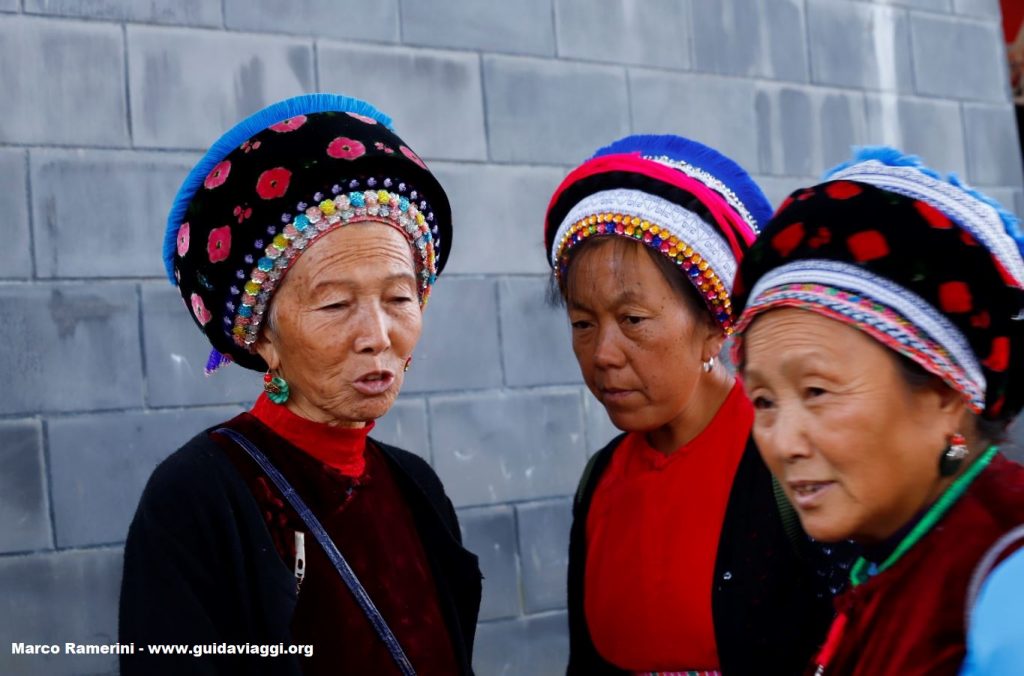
x: 215, y: 361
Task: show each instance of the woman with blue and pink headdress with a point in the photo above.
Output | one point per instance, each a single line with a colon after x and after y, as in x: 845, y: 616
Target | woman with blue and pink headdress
x: 683, y: 554
x: 286, y: 540
x: 881, y: 343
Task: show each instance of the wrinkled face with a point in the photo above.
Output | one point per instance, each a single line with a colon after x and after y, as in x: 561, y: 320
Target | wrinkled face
x: 346, y: 318
x: 855, y: 447
x: 638, y: 343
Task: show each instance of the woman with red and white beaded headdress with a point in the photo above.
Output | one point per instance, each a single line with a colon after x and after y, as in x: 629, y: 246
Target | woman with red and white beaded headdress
x: 682, y: 555
x: 881, y: 343
x: 305, y: 243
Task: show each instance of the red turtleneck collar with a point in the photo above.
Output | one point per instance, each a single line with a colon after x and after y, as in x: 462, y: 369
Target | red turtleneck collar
x: 342, y: 448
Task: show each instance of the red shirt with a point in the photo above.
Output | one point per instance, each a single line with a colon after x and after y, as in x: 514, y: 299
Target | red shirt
x: 349, y: 486
x: 652, y: 538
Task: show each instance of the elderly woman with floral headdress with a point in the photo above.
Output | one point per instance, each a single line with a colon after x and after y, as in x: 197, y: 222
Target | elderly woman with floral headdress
x: 682, y: 555
x: 305, y: 243
x: 882, y: 347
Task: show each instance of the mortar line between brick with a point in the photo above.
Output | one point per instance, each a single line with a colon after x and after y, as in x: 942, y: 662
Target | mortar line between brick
x: 483, y: 105
x: 808, y: 68
x: 430, y: 429
x: 910, y: 51
x: 28, y: 553
x: 583, y: 416
x: 554, y: 28
x: 968, y: 146
x: 85, y: 413
x: 48, y: 475
x: 517, y: 560
x: 127, y: 86
x: 516, y: 502
x: 530, y: 616
x: 401, y: 28
x: 501, y: 332
x: 461, y: 393
x: 30, y: 217
x: 692, y: 49
x: 142, y: 348
x: 629, y: 99
x: 316, y: 64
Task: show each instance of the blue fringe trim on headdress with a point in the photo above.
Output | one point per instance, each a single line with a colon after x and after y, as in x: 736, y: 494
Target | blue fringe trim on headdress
x: 216, y: 359
x: 242, y: 132
x: 699, y: 155
x: 895, y: 158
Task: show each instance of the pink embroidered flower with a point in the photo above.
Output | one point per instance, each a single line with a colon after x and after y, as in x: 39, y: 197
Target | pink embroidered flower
x: 291, y: 124
x: 412, y: 156
x: 217, y: 175
x: 242, y: 212
x: 250, y: 146
x: 362, y: 118
x: 380, y: 146
x: 344, y: 148
x: 218, y: 246
x: 273, y: 183
x: 199, y: 309
x: 183, y: 239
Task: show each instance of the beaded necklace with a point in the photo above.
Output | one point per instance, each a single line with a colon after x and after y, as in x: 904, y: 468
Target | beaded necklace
x: 860, y: 571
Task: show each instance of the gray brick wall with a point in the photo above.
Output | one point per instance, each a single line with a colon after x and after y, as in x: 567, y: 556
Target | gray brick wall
x: 107, y: 102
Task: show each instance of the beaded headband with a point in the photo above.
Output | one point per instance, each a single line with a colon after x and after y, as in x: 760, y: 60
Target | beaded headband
x: 381, y: 206
x: 676, y: 196
x: 892, y: 315
x: 691, y: 243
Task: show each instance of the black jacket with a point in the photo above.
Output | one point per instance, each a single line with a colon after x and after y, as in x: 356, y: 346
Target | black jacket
x: 771, y: 604
x: 200, y: 566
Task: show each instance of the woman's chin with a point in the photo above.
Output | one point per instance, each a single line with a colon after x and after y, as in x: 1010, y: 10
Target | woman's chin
x: 824, y: 530
x: 359, y: 408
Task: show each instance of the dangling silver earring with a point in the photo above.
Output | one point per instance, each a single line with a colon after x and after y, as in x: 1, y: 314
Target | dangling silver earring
x: 953, y: 456
x: 708, y: 365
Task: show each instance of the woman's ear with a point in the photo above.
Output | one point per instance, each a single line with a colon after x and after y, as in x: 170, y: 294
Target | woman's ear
x: 713, y: 341
x: 266, y: 347
x: 949, y: 407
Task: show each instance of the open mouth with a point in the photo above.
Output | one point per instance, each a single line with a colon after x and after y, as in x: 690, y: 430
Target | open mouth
x: 374, y: 383
x: 807, y: 494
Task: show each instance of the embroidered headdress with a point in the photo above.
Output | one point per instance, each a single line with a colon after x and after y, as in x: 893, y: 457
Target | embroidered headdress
x: 274, y: 184
x: 927, y: 266
x: 681, y: 198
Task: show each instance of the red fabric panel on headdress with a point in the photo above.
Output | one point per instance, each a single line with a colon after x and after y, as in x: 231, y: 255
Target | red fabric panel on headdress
x: 729, y: 222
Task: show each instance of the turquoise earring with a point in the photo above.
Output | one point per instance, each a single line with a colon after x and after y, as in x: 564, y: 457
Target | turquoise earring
x: 276, y: 388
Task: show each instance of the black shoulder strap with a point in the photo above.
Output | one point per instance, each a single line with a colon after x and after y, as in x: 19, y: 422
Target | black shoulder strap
x: 330, y: 549
x: 585, y: 480
x: 597, y: 462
